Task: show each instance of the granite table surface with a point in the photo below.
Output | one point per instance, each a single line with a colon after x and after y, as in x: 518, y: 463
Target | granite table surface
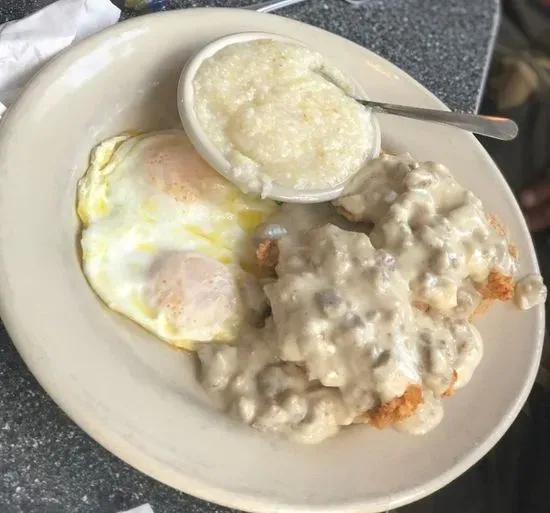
x: 47, y: 464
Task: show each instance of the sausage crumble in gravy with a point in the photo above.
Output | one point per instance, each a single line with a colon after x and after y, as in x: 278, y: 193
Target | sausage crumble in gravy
x: 370, y: 327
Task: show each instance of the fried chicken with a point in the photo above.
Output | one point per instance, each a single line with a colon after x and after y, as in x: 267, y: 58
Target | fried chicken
x: 497, y: 286
x: 267, y: 254
x: 496, y: 223
x: 354, y: 218
x: 482, y: 307
x: 451, y: 390
x: 395, y: 410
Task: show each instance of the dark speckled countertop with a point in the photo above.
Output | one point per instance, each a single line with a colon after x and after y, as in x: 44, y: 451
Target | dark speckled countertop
x: 47, y: 464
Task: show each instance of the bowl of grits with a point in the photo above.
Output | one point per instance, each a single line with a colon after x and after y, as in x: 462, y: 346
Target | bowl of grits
x: 262, y: 356
x: 276, y: 117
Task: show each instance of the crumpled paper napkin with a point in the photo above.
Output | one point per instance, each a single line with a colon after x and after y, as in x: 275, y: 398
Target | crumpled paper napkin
x: 26, y: 44
x: 141, y: 509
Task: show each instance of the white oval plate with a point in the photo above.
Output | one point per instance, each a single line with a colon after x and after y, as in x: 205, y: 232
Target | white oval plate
x: 138, y: 397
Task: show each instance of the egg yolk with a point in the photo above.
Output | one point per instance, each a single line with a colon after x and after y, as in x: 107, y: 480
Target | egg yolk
x: 192, y: 290
x: 174, y: 167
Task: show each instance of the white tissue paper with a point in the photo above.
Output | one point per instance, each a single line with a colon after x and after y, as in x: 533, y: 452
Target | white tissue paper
x: 27, y: 43
x: 141, y: 509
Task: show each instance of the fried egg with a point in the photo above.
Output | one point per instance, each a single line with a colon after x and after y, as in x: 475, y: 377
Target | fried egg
x: 166, y: 239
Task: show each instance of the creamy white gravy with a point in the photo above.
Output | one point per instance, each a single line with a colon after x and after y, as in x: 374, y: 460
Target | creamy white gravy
x: 346, y: 334
x: 438, y: 231
x: 269, y: 108
x: 343, y: 339
x: 530, y: 292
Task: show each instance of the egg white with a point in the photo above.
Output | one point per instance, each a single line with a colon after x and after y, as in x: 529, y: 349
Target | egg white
x: 165, y: 239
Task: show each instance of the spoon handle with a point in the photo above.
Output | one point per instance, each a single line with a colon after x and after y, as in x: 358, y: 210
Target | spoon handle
x: 498, y: 128
x: 272, y: 5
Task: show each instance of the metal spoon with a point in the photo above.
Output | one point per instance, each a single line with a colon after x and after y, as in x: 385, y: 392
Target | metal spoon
x: 497, y: 128
x: 272, y: 5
